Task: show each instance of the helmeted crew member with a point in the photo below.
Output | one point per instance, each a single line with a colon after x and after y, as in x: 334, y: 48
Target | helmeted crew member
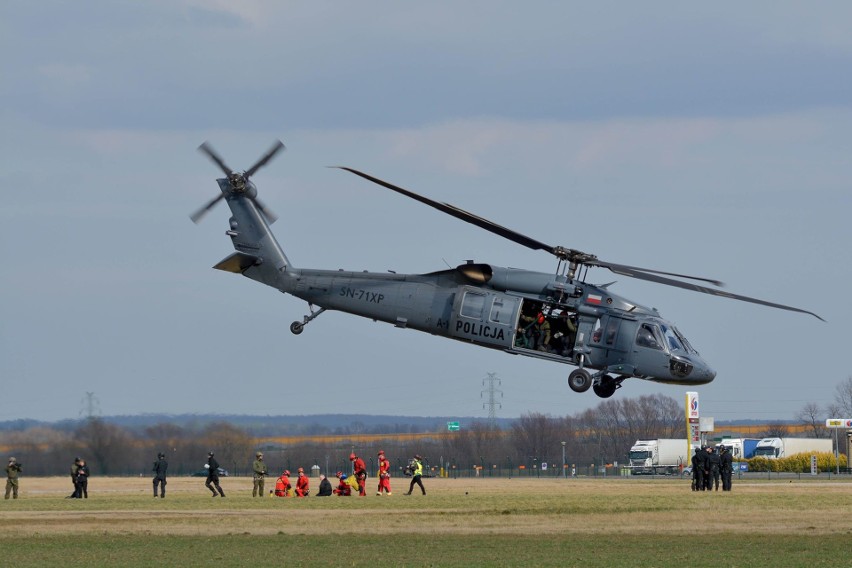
x: 564, y: 332
x: 12, y: 472
x: 416, y: 473
x: 727, y: 467
x: 160, y: 467
x: 343, y: 488
x: 213, y: 475
x: 282, y: 484
x: 302, y: 484
x: 698, y: 469
x: 260, y: 471
x: 713, y: 466
x: 359, y: 469
x: 324, y: 487
x: 384, y: 475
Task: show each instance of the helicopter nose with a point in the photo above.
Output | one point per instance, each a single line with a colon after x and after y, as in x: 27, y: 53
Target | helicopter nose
x: 706, y: 374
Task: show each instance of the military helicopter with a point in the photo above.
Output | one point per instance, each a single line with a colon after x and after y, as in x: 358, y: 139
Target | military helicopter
x: 558, y: 317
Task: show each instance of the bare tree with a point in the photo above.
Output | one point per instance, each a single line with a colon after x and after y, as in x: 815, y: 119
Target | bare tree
x: 775, y: 430
x: 843, y: 397
x: 109, y: 446
x: 811, y: 415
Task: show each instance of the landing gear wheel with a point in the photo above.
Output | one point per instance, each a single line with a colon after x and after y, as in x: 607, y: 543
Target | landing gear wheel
x: 579, y: 380
x: 297, y: 327
x: 606, y: 387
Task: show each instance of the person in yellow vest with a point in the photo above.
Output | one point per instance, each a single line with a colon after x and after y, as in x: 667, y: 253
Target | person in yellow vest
x: 416, y: 467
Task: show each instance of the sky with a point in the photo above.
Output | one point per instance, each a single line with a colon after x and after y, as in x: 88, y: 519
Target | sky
x: 709, y: 139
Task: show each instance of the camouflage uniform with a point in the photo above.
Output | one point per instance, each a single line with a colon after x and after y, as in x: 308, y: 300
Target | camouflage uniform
x: 12, y: 471
x: 260, y: 472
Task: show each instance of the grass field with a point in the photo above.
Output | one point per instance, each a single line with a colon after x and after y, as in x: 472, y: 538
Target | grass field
x: 461, y: 522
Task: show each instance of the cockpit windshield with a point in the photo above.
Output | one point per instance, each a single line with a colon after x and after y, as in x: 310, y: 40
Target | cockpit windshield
x: 675, y: 339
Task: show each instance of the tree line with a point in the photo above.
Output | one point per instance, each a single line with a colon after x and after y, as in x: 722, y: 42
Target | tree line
x: 593, y: 438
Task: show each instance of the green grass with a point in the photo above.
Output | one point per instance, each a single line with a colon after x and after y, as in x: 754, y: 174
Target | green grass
x: 584, y: 523
x: 588, y: 551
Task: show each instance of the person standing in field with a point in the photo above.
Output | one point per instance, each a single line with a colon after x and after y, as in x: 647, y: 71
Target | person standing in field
x: 160, y: 467
x: 416, y: 467
x: 213, y: 475
x: 727, y: 466
x: 74, y: 467
x: 260, y: 471
x: 359, y: 469
x: 384, y: 475
x: 698, y: 470
x: 82, y: 480
x: 12, y: 472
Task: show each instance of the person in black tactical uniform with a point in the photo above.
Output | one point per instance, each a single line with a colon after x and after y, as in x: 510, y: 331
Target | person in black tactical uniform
x: 698, y: 469
x: 714, y: 464
x: 727, y: 466
x: 160, y: 467
x: 82, y: 480
x: 213, y: 475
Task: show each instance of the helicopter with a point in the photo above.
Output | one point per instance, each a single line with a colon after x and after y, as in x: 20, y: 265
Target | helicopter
x: 557, y: 317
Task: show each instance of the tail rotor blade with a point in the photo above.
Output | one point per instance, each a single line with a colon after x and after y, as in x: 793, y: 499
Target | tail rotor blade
x: 198, y: 215
x: 277, y: 147
x: 270, y: 216
x: 205, y: 148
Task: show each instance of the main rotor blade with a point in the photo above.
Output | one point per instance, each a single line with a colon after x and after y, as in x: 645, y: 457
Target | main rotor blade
x: 277, y: 147
x: 198, y: 215
x: 639, y: 274
x: 629, y: 271
x: 205, y: 148
x: 460, y: 214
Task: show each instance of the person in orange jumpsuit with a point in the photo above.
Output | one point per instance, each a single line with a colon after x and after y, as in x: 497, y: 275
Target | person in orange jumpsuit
x: 360, y: 470
x: 282, y: 485
x: 384, y: 474
x: 343, y: 488
x: 302, y: 484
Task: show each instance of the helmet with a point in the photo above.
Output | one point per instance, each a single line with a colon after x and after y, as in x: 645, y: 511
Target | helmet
x: 417, y: 457
x: 338, y: 474
x: 286, y: 472
x: 381, y: 452
x: 352, y: 456
x: 161, y: 455
x: 210, y: 453
x: 12, y: 460
x: 342, y: 476
x: 300, y: 470
x: 259, y: 454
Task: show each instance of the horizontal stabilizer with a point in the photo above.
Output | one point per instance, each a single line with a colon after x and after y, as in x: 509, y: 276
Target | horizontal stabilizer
x: 238, y: 262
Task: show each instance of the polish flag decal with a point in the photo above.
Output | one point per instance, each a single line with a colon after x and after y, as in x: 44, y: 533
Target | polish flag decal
x: 593, y: 299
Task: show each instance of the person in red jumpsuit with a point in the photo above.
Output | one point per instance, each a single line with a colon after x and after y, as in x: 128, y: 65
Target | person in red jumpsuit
x: 343, y: 488
x: 360, y: 470
x: 384, y: 474
x: 302, y: 484
x: 282, y: 485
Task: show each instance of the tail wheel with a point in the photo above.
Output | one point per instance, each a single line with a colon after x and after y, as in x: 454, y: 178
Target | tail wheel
x: 579, y: 380
x: 606, y: 387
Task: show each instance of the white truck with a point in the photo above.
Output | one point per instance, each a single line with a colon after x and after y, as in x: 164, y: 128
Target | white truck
x: 774, y: 448
x: 741, y: 448
x: 663, y: 455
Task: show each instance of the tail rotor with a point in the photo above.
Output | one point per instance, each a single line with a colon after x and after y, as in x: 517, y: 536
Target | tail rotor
x: 238, y: 181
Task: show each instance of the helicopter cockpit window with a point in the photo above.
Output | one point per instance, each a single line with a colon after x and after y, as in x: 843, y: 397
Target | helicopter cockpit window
x: 672, y: 339
x: 473, y: 305
x: 647, y: 337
